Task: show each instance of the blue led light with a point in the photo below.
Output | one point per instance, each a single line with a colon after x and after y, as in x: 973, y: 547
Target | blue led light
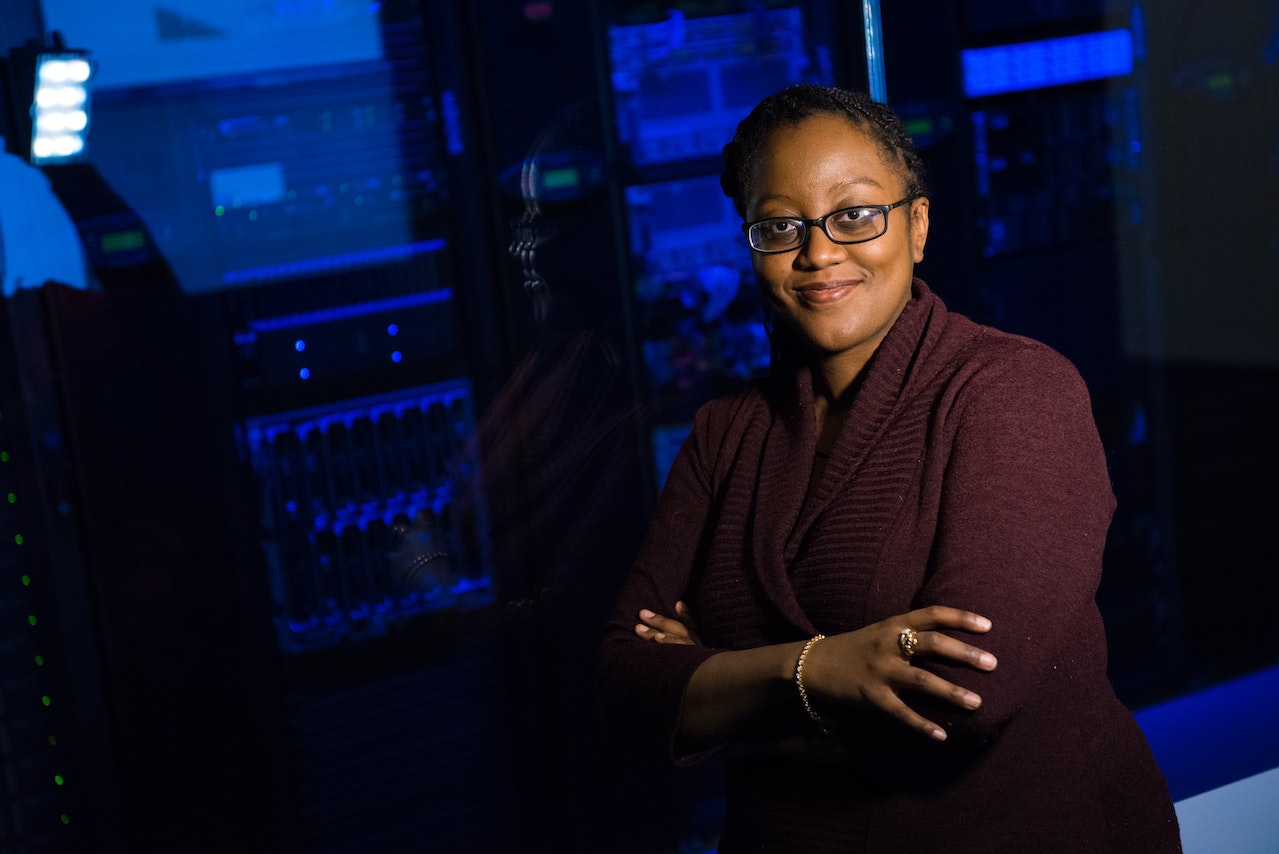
x: 299, y: 345
x: 397, y: 357
x: 305, y: 373
x: 1050, y: 62
x: 392, y: 330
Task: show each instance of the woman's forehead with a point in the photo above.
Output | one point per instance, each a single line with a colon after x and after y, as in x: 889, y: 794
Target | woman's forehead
x: 822, y: 151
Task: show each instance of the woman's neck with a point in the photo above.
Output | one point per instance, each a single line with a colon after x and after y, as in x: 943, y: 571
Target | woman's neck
x: 834, y: 381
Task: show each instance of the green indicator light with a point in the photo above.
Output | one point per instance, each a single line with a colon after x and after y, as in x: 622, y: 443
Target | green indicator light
x: 31, y: 619
x: 26, y: 581
x: 13, y: 499
x: 39, y: 661
x: 123, y: 241
x: 46, y: 700
x: 57, y: 778
x: 53, y: 741
x: 17, y: 538
x: 4, y: 456
x: 559, y: 179
x: 66, y: 819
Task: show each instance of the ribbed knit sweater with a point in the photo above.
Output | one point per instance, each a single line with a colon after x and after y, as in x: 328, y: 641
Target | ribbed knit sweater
x: 969, y: 473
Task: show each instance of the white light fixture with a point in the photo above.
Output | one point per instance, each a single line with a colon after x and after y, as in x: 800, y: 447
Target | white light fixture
x: 60, y: 108
x: 47, y: 88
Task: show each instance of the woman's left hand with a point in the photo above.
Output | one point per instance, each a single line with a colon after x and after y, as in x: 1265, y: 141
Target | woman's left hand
x: 681, y: 629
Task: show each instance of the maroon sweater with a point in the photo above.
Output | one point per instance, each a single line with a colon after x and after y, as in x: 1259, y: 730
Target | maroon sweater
x: 969, y: 474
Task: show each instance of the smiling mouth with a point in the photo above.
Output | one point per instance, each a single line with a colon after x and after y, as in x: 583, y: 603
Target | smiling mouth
x: 824, y: 291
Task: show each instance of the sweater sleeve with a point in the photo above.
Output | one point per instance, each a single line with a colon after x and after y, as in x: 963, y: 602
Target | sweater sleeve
x: 1024, y: 510
x: 641, y: 683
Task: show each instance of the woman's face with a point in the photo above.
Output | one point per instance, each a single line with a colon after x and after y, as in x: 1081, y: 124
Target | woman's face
x: 840, y: 299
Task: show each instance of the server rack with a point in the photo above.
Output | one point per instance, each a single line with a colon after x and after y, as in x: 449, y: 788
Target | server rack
x: 141, y: 546
x: 1042, y: 157
x: 264, y: 417
x: 680, y: 78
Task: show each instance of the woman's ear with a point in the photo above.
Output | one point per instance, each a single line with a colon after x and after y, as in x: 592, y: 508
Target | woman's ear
x: 918, y: 227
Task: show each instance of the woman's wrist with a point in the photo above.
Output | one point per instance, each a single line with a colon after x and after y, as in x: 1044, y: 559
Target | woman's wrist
x: 823, y: 724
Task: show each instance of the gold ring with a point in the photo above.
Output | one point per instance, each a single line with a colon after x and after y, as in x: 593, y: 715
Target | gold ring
x: 907, y: 640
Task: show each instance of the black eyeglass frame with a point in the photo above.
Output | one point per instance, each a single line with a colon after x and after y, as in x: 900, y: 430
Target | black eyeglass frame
x: 820, y: 222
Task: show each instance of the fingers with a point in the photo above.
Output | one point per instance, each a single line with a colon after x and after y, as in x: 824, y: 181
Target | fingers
x: 660, y: 629
x: 936, y: 644
x: 685, y: 616
x: 870, y: 666
x: 931, y: 643
x: 919, y: 681
x: 916, y: 721
x: 944, y: 617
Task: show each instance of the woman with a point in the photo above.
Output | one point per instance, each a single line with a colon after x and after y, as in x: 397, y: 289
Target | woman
x: 891, y: 547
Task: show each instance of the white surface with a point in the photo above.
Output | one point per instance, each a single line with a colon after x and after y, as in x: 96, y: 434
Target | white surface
x: 38, y: 242
x: 1239, y: 818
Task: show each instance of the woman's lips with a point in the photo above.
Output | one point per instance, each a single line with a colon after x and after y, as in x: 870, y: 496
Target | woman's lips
x: 824, y: 292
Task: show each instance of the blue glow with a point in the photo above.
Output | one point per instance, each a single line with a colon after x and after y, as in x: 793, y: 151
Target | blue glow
x: 874, y: 37
x: 245, y: 186
x: 464, y: 594
x: 305, y: 374
x: 1137, y: 18
x: 392, y: 330
x: 328, y: 315
x: 981, y: 156
x: 330, y: 263
x: 299, y: 345
x: 1138, y: 431
x: 397, y: 357
x: 666, y: 441
x: 147, y: 43
x: 356, y: 601
x: 1219, y: 735
x: 1050, y: 62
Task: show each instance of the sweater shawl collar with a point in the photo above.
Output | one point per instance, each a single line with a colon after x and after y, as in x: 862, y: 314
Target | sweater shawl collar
x: 784, y: 440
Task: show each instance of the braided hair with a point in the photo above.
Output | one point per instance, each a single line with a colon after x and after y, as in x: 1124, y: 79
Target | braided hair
x: 791, y: 106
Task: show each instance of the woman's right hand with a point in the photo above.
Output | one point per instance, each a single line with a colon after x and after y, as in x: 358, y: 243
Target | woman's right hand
x: 868, y: 667
x: 681, y: 629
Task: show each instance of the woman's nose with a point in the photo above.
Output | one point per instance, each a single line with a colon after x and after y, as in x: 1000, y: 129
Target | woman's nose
x: 818, y: 250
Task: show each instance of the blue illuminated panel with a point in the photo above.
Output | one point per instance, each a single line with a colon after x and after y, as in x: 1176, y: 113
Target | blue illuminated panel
x: 1050, y: 62
x: 682, y: 84
x: 1216, y: 736
x: 684, y: 224
x: 1046, y: 170
x: 700, y: 316
x: 341, y: 485
x: 330, y: 263
x: 336, y: 164
x: 329, y: 315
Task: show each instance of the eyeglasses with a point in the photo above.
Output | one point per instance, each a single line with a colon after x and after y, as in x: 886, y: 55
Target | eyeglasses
x: 846, y: 225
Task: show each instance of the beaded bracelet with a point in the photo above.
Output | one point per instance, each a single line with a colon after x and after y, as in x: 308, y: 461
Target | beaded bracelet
x: 825, y: 725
